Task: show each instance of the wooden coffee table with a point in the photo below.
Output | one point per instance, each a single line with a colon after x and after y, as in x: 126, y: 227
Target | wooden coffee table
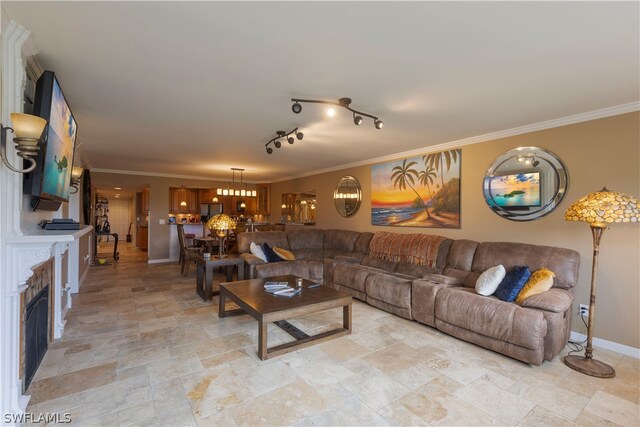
x: 265, y: 307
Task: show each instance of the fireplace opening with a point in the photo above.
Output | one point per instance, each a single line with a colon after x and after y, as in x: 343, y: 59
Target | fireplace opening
x: 36, y: 328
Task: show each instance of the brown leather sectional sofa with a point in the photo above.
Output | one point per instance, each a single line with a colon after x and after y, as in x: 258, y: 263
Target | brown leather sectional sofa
x: 443, y: 296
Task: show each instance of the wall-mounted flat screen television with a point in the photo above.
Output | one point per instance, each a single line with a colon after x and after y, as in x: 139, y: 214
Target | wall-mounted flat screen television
x: 49, y: 183
x: 516, y: 191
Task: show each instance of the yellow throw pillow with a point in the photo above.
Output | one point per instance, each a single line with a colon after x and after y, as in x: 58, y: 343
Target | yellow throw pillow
x: 284, y: 254
x: 539, y: 282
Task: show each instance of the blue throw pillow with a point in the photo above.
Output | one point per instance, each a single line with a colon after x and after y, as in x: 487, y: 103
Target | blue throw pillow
x: 272, y: 256
x: 512, y: 284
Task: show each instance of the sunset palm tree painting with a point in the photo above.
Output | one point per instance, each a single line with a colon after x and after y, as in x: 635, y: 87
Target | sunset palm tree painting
x: 421, y: 191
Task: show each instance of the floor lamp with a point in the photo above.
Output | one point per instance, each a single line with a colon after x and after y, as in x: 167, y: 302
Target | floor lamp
x: 221, y: 224
x: 599, y: 209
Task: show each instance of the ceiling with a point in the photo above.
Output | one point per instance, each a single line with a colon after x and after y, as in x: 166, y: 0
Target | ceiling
x: 195, y: 88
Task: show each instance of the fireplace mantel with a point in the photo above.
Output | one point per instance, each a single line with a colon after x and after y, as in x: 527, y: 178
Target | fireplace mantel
x: 35, y: 247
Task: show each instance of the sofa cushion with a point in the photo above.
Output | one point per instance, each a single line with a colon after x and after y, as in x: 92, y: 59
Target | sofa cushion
x: 257, y: 251
x: 308, y: 269
x: 489, y: 281
x: 305, y: 238
x: 361, y: 245
x: 415, y: 270
x: 284, y: 254
x: 389, y: 288
x: 555, y: 300
x: 273, y: 238
x: 306, y: 243
x: 460, y: 260
x: 513, y: 283
x: 270, y: 254
x: 443, y: 279
x: 379, y: 263
x: 540, y: 281
x: 491, y: 317
x: 352, y: 275
x: 563, y: 262
x: 340, y: 240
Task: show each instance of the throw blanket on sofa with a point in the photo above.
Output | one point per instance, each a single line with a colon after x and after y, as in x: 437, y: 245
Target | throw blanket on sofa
x: 419, y: 249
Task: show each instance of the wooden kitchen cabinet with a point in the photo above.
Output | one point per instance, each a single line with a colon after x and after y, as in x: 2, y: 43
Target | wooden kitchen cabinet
x: 179, y: 195
x: 142, y: 199
x: 206, y: 195
x: 145, y: 200
x: 142, y: 238
x: 263, y: 202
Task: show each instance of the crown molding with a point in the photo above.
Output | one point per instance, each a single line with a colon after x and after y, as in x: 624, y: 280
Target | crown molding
x: 534, y: 127
x: 169, y: 175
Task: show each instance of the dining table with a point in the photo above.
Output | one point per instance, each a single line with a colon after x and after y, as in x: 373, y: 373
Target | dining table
x: 208, y: 242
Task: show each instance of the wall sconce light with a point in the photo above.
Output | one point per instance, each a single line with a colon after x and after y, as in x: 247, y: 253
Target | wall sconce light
x: 76, y: 174
x: 27, y: 130
x: 342, y: 102
x: 282, y: 134
x: 183, y: 204
x: 214, y: 200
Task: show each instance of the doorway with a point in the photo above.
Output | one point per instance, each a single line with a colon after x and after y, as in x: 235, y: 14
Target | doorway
x: 120, y: 216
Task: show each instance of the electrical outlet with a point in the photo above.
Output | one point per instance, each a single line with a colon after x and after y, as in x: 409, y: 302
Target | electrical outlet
x: 584, y: 310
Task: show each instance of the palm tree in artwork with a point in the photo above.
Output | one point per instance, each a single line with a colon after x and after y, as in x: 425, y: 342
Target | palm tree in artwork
x: 426, y: 178
x: 437, y: 161
x: 405, y: 175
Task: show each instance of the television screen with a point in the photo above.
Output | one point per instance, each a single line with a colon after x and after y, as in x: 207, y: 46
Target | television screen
x: 52, y: 177
x: 520, y: 190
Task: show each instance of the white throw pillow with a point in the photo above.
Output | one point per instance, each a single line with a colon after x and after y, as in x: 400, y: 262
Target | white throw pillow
x: 257, y: 251
x: 488, y: 281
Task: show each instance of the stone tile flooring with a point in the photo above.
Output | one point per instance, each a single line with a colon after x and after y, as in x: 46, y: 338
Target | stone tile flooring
x: 141, y: 348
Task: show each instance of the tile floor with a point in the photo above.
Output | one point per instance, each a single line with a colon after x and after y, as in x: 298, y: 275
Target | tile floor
x: 141, y: 348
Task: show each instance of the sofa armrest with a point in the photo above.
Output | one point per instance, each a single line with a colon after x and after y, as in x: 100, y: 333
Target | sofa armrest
x: 445, y: 280
x: 251, y: 259
x: 555, y: 300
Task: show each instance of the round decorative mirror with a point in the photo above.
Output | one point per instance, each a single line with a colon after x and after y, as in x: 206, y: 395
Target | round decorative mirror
x: 347, y: 196
x: 525, y: 183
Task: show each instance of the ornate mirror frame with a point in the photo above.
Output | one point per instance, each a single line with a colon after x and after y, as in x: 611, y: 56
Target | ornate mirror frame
x: 347, y: 196
x: 523, y: 165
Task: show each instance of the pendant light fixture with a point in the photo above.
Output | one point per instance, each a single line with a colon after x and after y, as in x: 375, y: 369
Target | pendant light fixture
x: 240, y: 192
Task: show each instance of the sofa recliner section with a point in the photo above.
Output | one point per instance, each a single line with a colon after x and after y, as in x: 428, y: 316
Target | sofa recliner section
x: 442, y: 295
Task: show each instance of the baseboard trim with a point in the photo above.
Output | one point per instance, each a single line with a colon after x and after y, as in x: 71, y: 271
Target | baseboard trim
x: 159, y: 261
x: 608, y: 345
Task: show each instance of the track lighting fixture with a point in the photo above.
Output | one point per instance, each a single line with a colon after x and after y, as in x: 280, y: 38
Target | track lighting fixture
x: 528, y: 159
x: 342, y: 102
x: 287, y: 136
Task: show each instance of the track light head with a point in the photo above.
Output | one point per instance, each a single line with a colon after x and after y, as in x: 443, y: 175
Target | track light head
x: 357, y: 120
x: 378, y: 123
x: 290, y: 140
x: 269, y: 150
x: 278, y: 144
x: 296, y: 108
x: 344, y: 102
x: 299, y: 135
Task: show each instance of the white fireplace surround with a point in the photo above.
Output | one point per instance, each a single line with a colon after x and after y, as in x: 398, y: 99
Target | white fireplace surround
x: 22, y: 245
